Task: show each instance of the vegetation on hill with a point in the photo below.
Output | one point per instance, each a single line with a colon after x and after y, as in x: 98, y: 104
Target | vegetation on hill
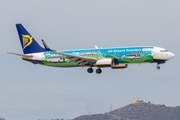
x: 138, y: 111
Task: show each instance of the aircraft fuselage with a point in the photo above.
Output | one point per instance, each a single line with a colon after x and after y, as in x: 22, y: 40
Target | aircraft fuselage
x: 121, y: 55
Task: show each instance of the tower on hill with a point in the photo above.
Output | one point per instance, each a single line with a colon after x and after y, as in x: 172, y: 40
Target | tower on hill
x: 136, y: 100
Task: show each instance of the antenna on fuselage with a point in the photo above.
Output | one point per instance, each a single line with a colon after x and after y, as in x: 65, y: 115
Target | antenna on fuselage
x: 96, y: 47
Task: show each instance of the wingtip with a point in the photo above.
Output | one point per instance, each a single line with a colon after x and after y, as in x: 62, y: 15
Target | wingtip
x: 8, y: 52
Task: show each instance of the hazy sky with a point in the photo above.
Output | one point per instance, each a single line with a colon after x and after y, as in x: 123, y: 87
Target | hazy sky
x: 31, y: 92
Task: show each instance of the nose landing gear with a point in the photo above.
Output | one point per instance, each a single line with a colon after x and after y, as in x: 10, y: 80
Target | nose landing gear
x: 158, y: 67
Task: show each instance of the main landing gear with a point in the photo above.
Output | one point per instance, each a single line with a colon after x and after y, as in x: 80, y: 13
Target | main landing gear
x: 98, y: 71
x: 90, y: 70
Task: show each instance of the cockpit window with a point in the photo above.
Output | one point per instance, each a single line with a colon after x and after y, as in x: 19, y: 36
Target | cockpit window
x: 163, y: 50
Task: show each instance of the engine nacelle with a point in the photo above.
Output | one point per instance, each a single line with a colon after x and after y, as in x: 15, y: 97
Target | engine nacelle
x: 119, y: 66
x: 114, y: 64
x: 105, y: 63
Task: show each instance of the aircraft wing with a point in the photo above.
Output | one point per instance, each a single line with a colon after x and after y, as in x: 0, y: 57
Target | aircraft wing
x: 77, y: 59
x: 75, y: 56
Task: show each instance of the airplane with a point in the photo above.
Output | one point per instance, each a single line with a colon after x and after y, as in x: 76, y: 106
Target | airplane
x: 115, y: 58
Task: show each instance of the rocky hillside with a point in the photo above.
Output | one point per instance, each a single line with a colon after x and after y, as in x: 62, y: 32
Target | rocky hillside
x: 138, y: 111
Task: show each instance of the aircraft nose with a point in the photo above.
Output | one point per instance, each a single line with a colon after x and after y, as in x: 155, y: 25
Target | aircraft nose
x: 170, y: 55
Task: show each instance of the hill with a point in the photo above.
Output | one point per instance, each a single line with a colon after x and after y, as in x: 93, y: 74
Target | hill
x: 138, y: 111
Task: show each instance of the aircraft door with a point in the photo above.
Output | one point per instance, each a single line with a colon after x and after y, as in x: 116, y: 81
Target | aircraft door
x: 152, y: 53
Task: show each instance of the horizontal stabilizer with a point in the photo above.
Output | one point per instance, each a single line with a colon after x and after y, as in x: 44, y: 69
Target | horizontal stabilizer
x: 22, y: 55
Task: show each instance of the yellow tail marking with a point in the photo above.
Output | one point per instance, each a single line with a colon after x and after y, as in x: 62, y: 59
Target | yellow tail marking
x: 27, y: 40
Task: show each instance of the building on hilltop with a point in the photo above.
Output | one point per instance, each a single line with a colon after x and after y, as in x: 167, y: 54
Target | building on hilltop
x: 136, y: 100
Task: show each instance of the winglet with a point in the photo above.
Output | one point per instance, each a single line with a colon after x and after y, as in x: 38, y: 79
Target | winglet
x: 45, y: 45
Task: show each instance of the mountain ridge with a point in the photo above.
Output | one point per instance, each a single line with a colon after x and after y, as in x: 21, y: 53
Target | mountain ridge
x: 137, y: 111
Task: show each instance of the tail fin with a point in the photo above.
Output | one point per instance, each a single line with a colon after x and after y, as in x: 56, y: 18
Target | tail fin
x: 29, y: 44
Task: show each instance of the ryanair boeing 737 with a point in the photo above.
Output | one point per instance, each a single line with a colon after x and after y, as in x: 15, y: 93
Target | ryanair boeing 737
x: 115, y: 58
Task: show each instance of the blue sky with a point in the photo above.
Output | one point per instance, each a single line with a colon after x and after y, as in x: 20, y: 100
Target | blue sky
x: 31, y: 92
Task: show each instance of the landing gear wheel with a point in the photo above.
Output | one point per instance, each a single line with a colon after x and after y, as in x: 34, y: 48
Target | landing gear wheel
x: 90, y: 70
x: 158, y: 67
x: 99, y: 71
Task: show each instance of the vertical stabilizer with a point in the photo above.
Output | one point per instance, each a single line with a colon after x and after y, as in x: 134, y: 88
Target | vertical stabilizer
x: 28, y: 43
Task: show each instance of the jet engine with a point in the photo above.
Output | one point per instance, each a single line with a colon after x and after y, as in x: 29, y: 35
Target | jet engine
x: 119, y: 66
x: 114, y: 64
x: 105, y: 63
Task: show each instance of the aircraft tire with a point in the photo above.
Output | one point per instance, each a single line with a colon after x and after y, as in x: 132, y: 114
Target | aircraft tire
x: 99, y: 71
x: 90, y: 70
x: 158, y: 67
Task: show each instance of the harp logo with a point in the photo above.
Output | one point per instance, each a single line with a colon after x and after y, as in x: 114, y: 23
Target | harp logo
x: 27, y: 40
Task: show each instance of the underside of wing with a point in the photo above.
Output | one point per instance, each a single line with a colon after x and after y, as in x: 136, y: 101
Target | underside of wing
x: 78, y: 59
